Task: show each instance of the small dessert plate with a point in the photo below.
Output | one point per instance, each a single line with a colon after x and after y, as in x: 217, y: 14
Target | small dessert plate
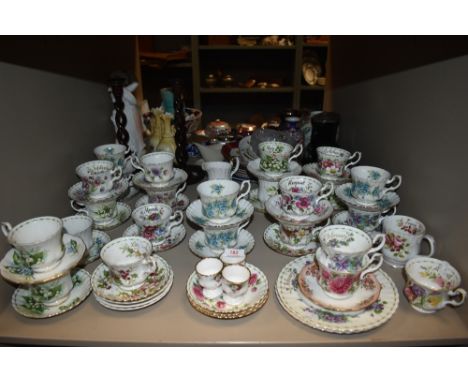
x: 311, y: 169
x: 254, y: 299
x: 177, y: 235
x: 194, y: 213
x: 389, y: 200
x: 25, y: 305
x: 105, y: 287
x: 254, y: 167
x: 272, y: 238
x: 305, y: 311
x: 79, y: 195
x: 123, y: 213
x: 180, y: 176
x: 181, y: 204
x: 342, y: 218
x: 100, y: 239
x: 198, y: 246
x: 14, y: 269
x: 258, y: 205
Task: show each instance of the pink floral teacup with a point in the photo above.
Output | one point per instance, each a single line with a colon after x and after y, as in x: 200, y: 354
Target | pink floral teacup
x: 235, y: 283
x: 98, y: 177
x: 333, y: 161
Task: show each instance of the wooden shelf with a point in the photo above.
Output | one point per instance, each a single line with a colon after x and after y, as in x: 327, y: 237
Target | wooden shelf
x: 239, y: 47
x: 312, y: 87
x: 283, y: 89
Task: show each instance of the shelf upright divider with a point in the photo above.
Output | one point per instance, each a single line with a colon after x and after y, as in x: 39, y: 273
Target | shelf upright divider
x: 196, y: 73
x: 297, y: 72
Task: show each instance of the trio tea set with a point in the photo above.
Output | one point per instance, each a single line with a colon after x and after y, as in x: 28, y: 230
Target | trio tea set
x: 334, y: 284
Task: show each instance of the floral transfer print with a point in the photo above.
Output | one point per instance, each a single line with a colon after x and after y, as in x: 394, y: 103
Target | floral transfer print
x: 408, y: 227
x: 217, y: 189
x: 363, y: 221
x: 422, y: 298
x: 363, y: 189
x: 331, y: 167
x: 433, y: 274
x: 398, y: 245
x: 221, y: 239
x: 219, y: 208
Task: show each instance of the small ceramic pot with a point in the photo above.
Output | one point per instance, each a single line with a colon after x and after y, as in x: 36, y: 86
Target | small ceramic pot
x: 432, y: 284
x: 403, y: 237
x: 52, y: 293
x: 156, y: 221
x: 333, y: 161
x: 98, y: 177
x: 300, y: 194
x: 167, y: 196
x: 209, y: 277
x: 298, y: 235
x: 372, y: 183
x: 267, y: 189
x: 157, y: 166
x: 220, y: 170
x: 365, y: 220
x: 80, y: 226
x: 129, y: 260
x: 276, y: 156
x: 218, y: 239
x: 235, y: 283
x: 235, y: 258
x: 38, y: 241
x: 219, y: 198
x: 101, y: 212
x: 114, y: 153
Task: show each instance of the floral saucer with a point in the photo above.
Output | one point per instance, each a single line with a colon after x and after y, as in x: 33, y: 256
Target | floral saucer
x: 254, y: 299
x: 257, y: 204
x: 366, y: 294
x: 177, y: 235
x: 254, y: 167
x: 25, y: 305
x: 194, y: 213
x: 100, y: 239
x: 79, y: 195
x: 311, y: 169
x: 342, y: 218
x: 302, y: 309
x: 272, y: 238
x: 182, y: 202
x: 321, y: 212
x: 180, y: 176
x: 104, y: 286
x: 13, y: 267
x: 389, y: 200
x: 123, y: 213
x: 198, y: 246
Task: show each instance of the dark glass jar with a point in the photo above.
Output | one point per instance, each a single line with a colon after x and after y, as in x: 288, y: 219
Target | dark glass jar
x: 325, y: 128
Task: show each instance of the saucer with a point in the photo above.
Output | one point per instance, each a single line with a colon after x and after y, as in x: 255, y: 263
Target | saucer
x: 302, y: 309
x: 123, y: 213
x: 254, y: 167
x: 25, y: 305
x: 180, y: 176
x: 342, y: 218
x: 194, y: 213
x: 182, y: 202
x: 254, y: 299
x: 177, y: 235
x: 198, y: 246
x: 257, y: 204
x: 79, y: 195
x: 389, y: 200
x: 100, y: 239
x: 104, y: 286
x: 311, y: 169
x: 365, y: 295
x: 321, y: 212
x: 16, y: 271
x: 272, y: 238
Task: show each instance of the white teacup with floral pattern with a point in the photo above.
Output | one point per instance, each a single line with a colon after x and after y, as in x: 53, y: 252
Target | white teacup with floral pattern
x: 333, y: 161
x: 156, y: 221
x: 235, y: 283
x: 275, y: 156
x: 209, y: 277
x: 300, y: 194
x: 101, y: 212
x: 267, y: 189
x: 39, y: 241
x: 432, y: 284
x: 220, y: 198
x: 129, y: 261
x: 299, y: 235
x: 220, y: 238
x: 403, y: 237
x: 367, y: 220
x: 167, y: 196
x: 81, y: 226
x: 158, y: 167
x: 220, y: 170
x: 51, y: 293
x: 372, y: 183
x: 98, y: 177
x: 113, y: 152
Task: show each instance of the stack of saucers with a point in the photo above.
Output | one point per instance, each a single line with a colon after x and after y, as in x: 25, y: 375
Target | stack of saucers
x: 130, y: 277
x: 161, y: 182
x: 300, y: 207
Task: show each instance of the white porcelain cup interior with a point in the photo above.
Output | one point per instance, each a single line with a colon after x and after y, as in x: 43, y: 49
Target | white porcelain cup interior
x: 236, y: 274
x: 209, y: 272
x: 156, y: 166
x: 81, y: 226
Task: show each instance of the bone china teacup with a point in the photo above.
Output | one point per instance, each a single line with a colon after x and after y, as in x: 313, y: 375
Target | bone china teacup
x: 235, y: 283
x: 367, y: 220
x: 220, y: 170
x: 98, y: 177
x: 156, y: 221
x: 432, y: 284
x: 81, y: 226
x: 113, y: 152
x: 129, y: 260
x: 167, y: 196
x: 219, y: 198
x: 209, y: 277
x: 332, y: 161
x: 38, y: 240
x: 275, y: 156
x: 220, y: 238
x: 52, y: 293
x: 372, y: 183
x: 157, y: 166
x: 101, y: 212
x: 403, y: 237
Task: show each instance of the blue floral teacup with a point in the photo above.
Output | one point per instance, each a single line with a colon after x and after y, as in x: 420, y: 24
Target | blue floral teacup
x: 372, y: 183
x: 218, y: 239
x: 113, y: 152
x: 367, y: 220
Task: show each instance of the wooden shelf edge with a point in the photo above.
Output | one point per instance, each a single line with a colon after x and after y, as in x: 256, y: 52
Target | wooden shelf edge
x: 284, y: 89
x: 240, y: 47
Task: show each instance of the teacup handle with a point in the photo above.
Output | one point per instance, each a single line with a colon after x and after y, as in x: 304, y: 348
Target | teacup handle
x: 136, y: 163
x: 246, y: 192
x: 430, y: 239
x: 175, y: 220
x: 180, y: 190
x: 242, y: 226
x: 454, y: 293
x: 6, y: 228
x: 235, y: 164
x: 326, y: 190
x: 377, y: 237
x: 203, y: 166
x: 295, y: 153
x: 150, y: 259
x: 390, y: 181
x: 116, y: 174
x: 358, y: 156
x: 372, y: 268
x: 75, y: 205
x: 316, y: 230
